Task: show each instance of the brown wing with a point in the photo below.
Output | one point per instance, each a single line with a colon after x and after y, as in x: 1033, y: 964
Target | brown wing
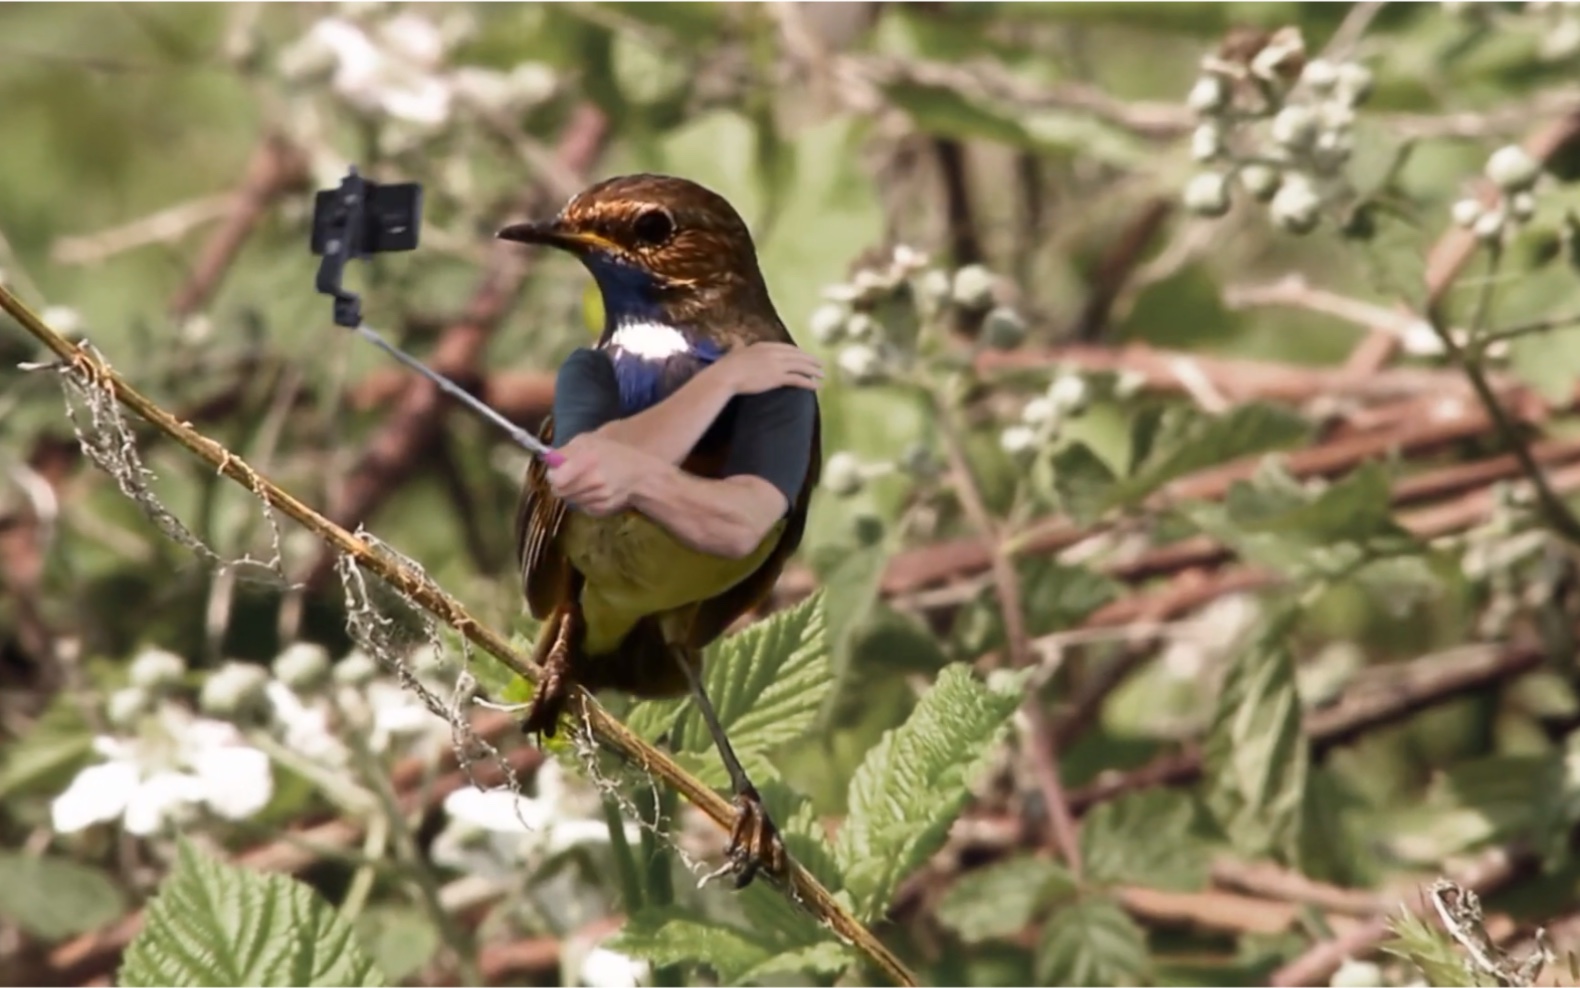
x: 718, y: 613
x: 545, y: 573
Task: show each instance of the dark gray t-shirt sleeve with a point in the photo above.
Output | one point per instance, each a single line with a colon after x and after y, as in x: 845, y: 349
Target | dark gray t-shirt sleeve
x: 586, y: 395
x: 773, y: 438
x: 769, y: 434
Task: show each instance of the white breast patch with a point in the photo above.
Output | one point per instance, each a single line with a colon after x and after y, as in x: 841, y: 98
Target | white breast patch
x: 649, y: 340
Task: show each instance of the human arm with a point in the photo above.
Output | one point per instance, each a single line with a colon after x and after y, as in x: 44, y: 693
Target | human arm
x: 670, y: 429
x: 763, y: 475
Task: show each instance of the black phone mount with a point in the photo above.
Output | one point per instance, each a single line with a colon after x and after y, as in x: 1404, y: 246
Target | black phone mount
x: 357, y: 220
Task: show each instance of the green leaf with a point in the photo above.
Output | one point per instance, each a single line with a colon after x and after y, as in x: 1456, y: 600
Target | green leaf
x: 1083, y: 483
x: 671, y: 935
x: 1432, y: 952
x: 1188, y: 441
x: 54, y: 898
x: 1255, y: 754
x: 1146, y: 838
x: 1092, y: 942
x: 830, y: 957
x: 767, y: 684
x: 1500, y: 797
x: 1002, y: 899
x: 57, y: 743
x: 215, y: 924
x: 399, y: 940
x: 913, y: 783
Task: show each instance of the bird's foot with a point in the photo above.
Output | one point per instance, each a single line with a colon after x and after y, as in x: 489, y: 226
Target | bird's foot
x: 553, y: 690
x: 755, y: 844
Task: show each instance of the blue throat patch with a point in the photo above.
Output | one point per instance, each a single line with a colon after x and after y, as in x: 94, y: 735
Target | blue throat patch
x: 631, y: 298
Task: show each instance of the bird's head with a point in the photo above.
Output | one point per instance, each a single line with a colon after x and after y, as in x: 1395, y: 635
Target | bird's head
x: 659, y: 247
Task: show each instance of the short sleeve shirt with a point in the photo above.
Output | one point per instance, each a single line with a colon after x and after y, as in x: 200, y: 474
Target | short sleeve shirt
x: 769, y: 434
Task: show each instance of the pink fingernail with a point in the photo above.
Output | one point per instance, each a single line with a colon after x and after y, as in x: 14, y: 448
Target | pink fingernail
x: 554, y: 458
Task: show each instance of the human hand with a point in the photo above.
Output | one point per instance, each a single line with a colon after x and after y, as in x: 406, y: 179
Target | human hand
x: 597, y: 475
x: 760, y: 367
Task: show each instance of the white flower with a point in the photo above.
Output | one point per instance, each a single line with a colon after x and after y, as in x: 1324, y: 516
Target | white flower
x: 1419, y: 339
x: 828, y: 322
x: 413, y: 38
x: 1068, y: 393
x: 165, y: 777
x: 398, y: 713
x: 491, y: 832
x: 305, y: 729
x: 399, y: 82
x: 155, y: 669
x: 605, y: 968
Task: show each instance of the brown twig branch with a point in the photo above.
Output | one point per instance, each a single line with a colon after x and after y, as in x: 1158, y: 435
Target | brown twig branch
x: 584, y: 710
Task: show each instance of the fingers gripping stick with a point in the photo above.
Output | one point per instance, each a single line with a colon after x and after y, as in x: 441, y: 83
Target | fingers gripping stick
x: 363, y: 218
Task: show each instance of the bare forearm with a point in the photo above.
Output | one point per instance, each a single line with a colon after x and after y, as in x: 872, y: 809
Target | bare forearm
x: 670, y: 429
x: 723, y: 517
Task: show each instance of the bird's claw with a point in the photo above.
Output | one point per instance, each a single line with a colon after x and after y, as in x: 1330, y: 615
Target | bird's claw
x: 755, y: 844
x: 548, y: 700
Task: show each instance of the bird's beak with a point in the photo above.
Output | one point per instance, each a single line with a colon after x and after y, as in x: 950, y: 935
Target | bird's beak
x: 553, y: 233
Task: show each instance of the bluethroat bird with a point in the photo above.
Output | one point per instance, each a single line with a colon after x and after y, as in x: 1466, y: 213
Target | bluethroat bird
x: 625, y: 604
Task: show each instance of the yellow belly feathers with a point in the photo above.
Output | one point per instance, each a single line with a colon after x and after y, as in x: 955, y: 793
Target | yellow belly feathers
x: 634, y: 567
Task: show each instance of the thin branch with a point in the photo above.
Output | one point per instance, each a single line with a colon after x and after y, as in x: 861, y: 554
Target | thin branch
x: 1041, y: 741
x: 583, y: 708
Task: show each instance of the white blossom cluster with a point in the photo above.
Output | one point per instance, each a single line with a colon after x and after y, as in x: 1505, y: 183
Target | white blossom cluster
x: 1515, y: 174
x: 167, y: 764
x: 395, y: 64
x: 1281, y: 138
x: 1043, y: 417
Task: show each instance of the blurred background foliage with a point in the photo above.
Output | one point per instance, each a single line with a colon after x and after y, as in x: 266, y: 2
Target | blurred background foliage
x: 1047, y: 142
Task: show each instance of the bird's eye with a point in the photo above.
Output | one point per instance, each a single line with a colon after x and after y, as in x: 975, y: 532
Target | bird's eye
x: 653, y: 227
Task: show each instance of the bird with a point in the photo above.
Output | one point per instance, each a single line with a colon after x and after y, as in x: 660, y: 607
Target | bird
x: 624, y: 604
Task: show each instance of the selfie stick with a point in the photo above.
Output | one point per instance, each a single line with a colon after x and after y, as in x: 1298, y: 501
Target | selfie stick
x: 363, y: 218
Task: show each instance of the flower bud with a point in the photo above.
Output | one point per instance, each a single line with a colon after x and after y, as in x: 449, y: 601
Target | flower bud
x: 1490, y: 226
x: 1320, y: 75
x: 1003, y: 329
x: 1294, y: 127
x: 1522, y: 206
x: 828, y: 322
x: 1353, y: 85
x: 303, y: 666
x: 62, y: 319
x: 356, y: 668
x: 973, y: 287
x: 1296, y: 206
x: 1466, y: 212
x: 933, y: 288
x: 908, y: 259
x: 126, y: 707
x: 861, y: 362
x: 1512, y: 169
x: 1357, y: 974
x: 1207, y: 194
x: 1018, y: 440
x: 861, y: 327
x: 1261, y: 181
x: 1039, y: 412
x: 1206, y: 142
x: 1129, y: 384
x: 1209, y: 94
x: 1069, y: 394
x: 842, y: 474
x: 155, y: 670
x: 234, y: 691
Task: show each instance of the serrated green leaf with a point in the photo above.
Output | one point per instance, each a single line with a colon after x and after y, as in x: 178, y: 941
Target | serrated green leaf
x: 399, y: 940
x: 1091, y: 941
x: 1432, y: 952
x: 829, y: 957
x: 1002, y: 899
x: 671, y: 935
x: 1082, y: 482
x: 1188, y: 441
x: 913, y: 782
x: 1256, y: 754
x: 215, y: 924
x: 768, y: 684
x: 53, y: 898
x: 1146, y: 838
